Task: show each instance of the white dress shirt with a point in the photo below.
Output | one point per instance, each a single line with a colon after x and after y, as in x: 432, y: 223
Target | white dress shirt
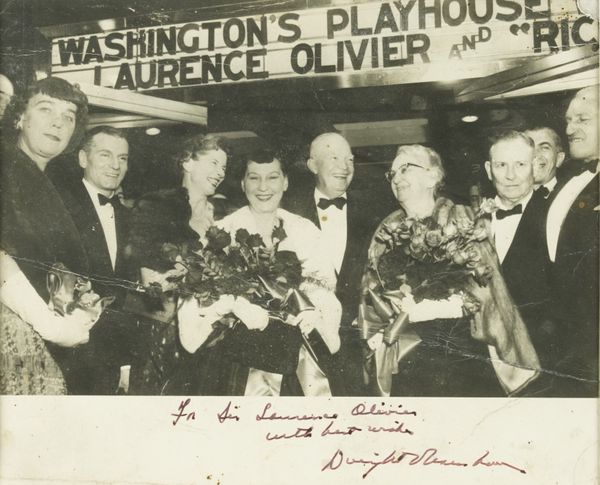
x: 334, y: 230
x: 550, y: 184
x: 504, y: 230
x: 560, y: 208
x: 511, y: 378
x: 106, y: 214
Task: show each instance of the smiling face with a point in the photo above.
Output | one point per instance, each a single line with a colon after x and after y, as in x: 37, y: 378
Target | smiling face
x: 582, y: 125
x: 46, y: 127
x: 548, y: 155
x: 412, y: 177
x: 264, y: 185
x: 331, y: 160
x: 511, y: 170
x: 6, y: 92
x: 205, y: 171
x: 104, y: 163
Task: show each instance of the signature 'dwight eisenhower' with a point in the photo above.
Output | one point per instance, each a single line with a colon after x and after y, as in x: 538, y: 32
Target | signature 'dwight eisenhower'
x: 411, y: 458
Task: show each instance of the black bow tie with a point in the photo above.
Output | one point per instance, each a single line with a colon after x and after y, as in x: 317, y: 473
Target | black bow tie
x: 339, y: 202
x: 543, y: 191
x: 114, y: 200
x: 501, y: 213
x: 580, y: 166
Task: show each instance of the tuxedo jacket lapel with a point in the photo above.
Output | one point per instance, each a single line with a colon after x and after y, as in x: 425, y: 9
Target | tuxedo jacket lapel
x: 93, y: 234
x: 122, y: 222
x: 529, y: 229
x: 311, y: 210
x: 581, y: 220
x: 78, y: 202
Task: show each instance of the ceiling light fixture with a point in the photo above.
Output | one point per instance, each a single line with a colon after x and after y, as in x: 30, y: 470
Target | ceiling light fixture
x: 470, y: 118
x: 152, y: 131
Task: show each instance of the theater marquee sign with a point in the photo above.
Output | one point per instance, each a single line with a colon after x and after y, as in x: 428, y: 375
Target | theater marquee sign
x: 428, y: 40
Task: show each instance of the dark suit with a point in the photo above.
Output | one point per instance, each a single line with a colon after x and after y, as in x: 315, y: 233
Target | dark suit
x: 362, y: 219
x: 527, y: 275
x: 94, y: 367
x: 575, y: 293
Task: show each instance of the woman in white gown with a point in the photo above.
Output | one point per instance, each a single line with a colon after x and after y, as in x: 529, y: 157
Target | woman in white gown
x: 266, y: 356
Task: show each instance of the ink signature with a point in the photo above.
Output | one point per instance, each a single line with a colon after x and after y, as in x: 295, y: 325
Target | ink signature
x: 426, y: 458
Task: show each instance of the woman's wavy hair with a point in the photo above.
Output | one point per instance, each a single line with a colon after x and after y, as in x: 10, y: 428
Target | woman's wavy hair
x: 55, y: 88
x: 434, y: 160
x: 197, y: 145
x: 264, y: 154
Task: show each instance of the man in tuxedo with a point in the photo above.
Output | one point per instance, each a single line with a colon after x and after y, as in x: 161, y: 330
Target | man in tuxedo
x: 572, y: 243
x: 517, y: 229
x: 549, y: 156
x: 346, y: 225
x: 102, y: 222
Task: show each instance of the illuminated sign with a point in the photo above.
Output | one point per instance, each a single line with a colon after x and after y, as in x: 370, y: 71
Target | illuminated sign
x: 426, y: 39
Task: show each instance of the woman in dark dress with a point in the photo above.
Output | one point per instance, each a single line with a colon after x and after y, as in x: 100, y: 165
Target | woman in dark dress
x: 37, y: 232
x: 178, y: 216
x: 442, y: 352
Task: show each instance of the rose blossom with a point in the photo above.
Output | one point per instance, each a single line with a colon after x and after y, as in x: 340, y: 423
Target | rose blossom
x: 434, y: 238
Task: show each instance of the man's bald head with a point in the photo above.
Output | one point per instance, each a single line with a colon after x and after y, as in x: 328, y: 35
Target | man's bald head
x: 582, y: 124
x: 332, y: 162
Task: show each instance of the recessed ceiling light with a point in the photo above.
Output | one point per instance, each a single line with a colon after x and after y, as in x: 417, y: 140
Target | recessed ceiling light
x: 470, y: 118
x: 152, y: 131
x: 107, y: 24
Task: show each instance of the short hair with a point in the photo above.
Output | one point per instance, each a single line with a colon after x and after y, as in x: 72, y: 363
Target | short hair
x: 197, y: 145
x: 434, y: 160
x: 264, y: 155
x: 55, y: 88
x: 555, y: 138
x: 510, y: 135
x: 88, y: 138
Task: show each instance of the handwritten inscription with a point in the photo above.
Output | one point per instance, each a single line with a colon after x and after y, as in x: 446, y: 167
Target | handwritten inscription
x: 180, y: 412
x: 410, y: 458
x: 359, y: 419
x: 374, y: 410
x: 299, y: 433
x: 273, y: 416
x: 227, y: 414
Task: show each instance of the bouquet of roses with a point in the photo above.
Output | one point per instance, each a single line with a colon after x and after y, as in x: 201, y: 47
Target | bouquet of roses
x: 421, y: 272
x: 242, y: 267
x: 225, y: 267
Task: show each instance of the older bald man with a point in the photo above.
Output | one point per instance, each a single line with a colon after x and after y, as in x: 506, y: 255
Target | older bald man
x: 347, y: 221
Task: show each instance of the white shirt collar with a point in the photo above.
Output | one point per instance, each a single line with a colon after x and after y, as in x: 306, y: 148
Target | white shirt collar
x: 93, y: 191
x: 550, y: 184
x: 524, y: 201
x: 321, y: 195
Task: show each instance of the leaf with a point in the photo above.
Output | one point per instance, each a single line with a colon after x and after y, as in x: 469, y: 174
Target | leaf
x: 279, y: 232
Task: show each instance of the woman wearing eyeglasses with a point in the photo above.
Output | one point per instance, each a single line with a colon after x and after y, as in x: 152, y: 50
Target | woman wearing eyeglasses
x: 439, y: 352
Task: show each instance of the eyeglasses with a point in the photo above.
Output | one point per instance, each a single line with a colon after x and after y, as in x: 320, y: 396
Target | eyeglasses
x: 391, y: 174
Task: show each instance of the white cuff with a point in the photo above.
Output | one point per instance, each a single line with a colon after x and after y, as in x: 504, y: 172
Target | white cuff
x: 427, y: 310
x: 20, y: 296
x: 194, y: 329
